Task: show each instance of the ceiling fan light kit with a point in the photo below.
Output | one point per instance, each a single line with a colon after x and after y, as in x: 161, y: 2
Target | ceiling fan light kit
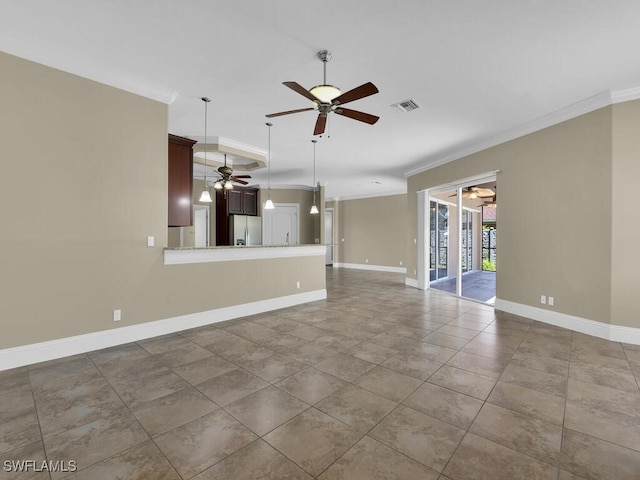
x: 328, y: 98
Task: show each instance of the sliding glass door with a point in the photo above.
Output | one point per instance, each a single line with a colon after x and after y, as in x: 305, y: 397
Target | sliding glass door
x: 467, y: 252
x: 459, y: 240
x: 439, y: 241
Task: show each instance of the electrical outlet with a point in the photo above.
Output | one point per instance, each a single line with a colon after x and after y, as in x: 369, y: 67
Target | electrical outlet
x: 297, y: 284
x: 550, y: 300
x: 366, y: 260
x: 543, y: 299
x: 117, y: 315
x: 400, y: 262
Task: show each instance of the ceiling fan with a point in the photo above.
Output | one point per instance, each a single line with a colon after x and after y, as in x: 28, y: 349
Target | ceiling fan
x: 489, y: 202
x: 226, y: 177
x: 476, y: 192
x: 328, y: 98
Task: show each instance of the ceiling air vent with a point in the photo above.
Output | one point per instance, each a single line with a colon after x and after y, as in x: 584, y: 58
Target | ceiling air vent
x: 405, y: 106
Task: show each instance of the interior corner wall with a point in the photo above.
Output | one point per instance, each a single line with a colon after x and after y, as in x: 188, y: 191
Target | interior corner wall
x: 372, y: 231
x: 625, y: 229
x: 554, y: 209
x: 95, y: 162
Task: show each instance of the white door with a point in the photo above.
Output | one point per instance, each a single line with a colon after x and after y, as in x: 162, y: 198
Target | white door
x: 201, y: 224
x: 328, y: 234
x: 281, y: 225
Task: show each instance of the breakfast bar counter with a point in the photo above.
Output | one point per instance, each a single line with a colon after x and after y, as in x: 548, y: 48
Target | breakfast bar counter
x: 184, y: 255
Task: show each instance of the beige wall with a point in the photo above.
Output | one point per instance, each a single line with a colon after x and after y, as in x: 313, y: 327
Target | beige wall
x: 625, y: 224
x: 373, y: 229
x: 560, y: 242
x: 95, y: 160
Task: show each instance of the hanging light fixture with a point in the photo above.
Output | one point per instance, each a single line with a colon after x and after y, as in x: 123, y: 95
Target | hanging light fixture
x: 205, y: 197
x: 268, y: 205
x: 314, y: 209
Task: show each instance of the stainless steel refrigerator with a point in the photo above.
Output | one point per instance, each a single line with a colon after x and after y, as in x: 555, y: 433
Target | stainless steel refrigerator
x: 246, y: 230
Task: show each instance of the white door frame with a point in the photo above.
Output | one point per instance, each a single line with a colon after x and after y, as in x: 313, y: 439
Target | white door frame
x: 207, y: 209
x: 329, y: 241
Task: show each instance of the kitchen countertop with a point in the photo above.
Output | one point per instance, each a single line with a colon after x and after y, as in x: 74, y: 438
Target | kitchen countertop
x: 182, y: 255
x: 213, y: 247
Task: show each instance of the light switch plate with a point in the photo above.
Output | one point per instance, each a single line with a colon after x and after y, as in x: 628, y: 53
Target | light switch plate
x: 151, y: 241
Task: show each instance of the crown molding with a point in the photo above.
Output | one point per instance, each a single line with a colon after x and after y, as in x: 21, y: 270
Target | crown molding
x: 307, y: 188
x: 627, y: 95
x: 590, y: 104
x: 52, y: 59
x: 251, y: 158
x: 366, y: 195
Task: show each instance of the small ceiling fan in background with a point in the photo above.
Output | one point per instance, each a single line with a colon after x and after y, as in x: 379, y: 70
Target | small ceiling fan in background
x: 328, y: 98
x: 476, y: 192
x: 226, y: 177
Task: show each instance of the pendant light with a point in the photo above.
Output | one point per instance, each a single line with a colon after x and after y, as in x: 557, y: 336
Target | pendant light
x: 268, y: 205
x: 314, y: 209
x: 205, y: 197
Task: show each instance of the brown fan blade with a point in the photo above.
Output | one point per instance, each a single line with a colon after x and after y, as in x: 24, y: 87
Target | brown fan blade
x: 356, y: 115
x: 271, y: 115
x: 237, y: 180
x: 320, y: 124
x: 296, y: 87
x: 357, y: 93
x: 242, y: 176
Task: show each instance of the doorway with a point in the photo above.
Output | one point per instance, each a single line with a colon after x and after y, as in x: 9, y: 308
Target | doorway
x: 438, y: 241
x: 328, y: 234
x: 281, y: 225
x: 201, y: 225
x: 457, y: 239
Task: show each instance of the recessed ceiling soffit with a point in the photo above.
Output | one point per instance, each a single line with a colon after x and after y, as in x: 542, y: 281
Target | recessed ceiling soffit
x: 239, y: 156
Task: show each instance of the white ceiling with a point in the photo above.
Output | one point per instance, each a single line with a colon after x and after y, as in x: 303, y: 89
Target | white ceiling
x: 476, y: 68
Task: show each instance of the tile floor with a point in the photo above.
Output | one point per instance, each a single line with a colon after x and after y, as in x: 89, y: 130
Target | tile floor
x: 380, y: 381
x: 477, y: 285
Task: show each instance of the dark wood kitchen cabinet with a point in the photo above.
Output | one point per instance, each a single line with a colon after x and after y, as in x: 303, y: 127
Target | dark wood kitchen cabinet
x: 180, y: 181
x: 239, y: 201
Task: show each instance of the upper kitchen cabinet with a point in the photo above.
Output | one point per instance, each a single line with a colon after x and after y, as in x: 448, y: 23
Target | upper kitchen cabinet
x: 239, y: 201
x: 180, y: 181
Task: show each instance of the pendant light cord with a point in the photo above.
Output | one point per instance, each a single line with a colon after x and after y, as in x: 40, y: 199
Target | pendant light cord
x: 269, y: 159
x: 206, y: 101
x: 314, y: 169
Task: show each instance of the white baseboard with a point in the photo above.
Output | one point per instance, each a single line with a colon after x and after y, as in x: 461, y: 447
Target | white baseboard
x: 607, y: 331
x: 411, y: 282
x: 377, y: 268
x: 50, y: 350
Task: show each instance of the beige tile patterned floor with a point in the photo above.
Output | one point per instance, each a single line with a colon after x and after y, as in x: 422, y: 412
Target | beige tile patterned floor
x: 379, y: 381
